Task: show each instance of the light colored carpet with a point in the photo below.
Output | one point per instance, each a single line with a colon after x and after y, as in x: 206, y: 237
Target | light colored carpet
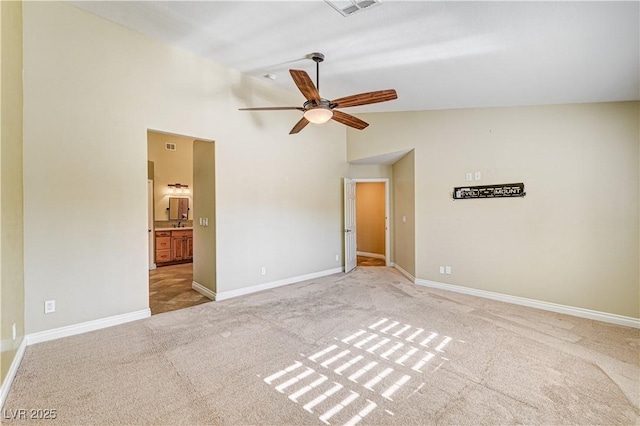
x: 364, y: 348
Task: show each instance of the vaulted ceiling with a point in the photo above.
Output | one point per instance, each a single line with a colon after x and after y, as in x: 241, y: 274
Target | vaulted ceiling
x: 437, y: 55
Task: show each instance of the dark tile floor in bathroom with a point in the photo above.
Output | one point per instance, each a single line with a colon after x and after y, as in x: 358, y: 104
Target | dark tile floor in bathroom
x: 170, y: 288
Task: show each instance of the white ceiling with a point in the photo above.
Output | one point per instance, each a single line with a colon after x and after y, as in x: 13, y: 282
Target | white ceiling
x: 437, y: 55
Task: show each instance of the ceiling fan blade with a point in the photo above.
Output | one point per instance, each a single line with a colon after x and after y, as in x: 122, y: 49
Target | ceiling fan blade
x: 349, y: 120
x: 270, y: 109
x: 365, y: 98
x: 299, y: 126
x: 305, y: 84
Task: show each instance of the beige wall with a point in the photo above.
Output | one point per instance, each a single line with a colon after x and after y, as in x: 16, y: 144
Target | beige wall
x: 11, y: 202
x: 170, y: 167
x: 204, y: 237
x: 370, y: 217
x: 572, y: 240
x: 370, y: 171
x: 404, y: 222
x: 92, y: 89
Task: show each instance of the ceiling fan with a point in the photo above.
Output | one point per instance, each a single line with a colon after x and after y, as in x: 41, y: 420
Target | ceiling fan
x: 319, y: 110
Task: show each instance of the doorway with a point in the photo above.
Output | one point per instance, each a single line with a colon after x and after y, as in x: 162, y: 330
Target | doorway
x: 354, y: 245
x: 176, y: 236
x: 372, y: 222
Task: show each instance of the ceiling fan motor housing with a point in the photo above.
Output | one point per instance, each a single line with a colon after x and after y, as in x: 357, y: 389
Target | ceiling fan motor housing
x: 324, y: 103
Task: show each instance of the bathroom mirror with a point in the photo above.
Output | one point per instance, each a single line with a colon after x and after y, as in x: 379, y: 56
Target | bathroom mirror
x: 178, y: 208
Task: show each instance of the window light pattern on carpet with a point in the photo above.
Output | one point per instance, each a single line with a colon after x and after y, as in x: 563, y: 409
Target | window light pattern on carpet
x: 362, y: 372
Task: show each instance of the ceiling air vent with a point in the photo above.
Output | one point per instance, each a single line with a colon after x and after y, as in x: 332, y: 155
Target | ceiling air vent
x: 349, y: 7
x: 170, y: 146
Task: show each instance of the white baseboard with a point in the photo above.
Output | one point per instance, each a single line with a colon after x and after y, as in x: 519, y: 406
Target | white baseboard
x: 532, y: 303
x: 203, y: 290
x: 84, y: 327
x: 374, y: 255
x: 405, y: 273
x: 266, y: 286
x: 11, y: 374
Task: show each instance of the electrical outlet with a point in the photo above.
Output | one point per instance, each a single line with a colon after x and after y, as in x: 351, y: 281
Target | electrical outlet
x: 469, y: 176
x: 447, y: 270
x: 478, y: 175
x: 49, y: 306
x: 442, y: 269
x: 264, y: 270
x: 14, y: 331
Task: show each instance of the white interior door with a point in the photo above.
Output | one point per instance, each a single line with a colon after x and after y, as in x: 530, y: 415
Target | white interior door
x: 350, y: 257
x: 152, y: 265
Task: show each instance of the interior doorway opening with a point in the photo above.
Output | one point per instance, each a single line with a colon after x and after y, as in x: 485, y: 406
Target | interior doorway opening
x: 397, y: 169
x: 372, y: 222
x: 177, y: 223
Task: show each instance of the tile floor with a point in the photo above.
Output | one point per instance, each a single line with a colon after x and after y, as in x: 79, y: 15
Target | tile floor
x: 170, y: 288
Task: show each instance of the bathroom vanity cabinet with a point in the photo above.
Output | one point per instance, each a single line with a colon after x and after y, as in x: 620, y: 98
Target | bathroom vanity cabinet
x: 182, y: 245
x: 174, y: 246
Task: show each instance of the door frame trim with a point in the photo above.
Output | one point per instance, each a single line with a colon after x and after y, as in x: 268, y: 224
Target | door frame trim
x: 151, y: 238
x: 387, y: 224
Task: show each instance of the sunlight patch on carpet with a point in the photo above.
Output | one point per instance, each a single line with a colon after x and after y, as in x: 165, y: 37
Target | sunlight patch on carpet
x: 386, y: 359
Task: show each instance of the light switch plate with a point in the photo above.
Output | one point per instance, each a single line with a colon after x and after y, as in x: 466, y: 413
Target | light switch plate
x: 442, y: 269
x: 447, y: 270
x: 469, y: 177
x: 478, y: 175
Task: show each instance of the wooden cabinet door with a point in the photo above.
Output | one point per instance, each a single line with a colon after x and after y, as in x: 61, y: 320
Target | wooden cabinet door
x: 177, y: 248
x: 188, y: 247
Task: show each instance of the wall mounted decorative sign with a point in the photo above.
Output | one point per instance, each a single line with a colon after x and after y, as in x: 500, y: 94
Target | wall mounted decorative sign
x: 489, y: 191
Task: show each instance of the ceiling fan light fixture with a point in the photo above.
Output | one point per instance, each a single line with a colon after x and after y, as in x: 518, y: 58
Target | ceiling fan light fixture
x: 318, y: 115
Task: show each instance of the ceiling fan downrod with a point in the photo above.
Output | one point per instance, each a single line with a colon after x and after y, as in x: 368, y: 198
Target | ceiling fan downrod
x: 317, y: 58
